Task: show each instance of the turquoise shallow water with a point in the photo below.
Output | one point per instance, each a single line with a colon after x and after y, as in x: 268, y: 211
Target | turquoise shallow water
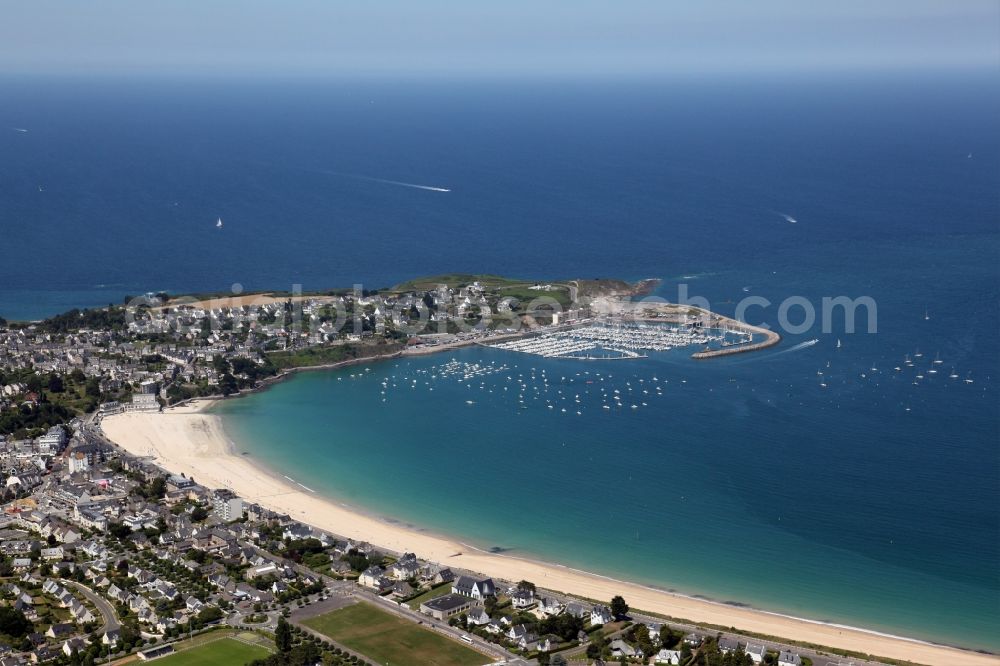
x: 741, y: 479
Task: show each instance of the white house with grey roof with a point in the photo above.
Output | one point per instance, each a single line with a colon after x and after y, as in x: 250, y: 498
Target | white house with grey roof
x: 473, y: 588
x: 756, y: 651
x: 787, y: 658
x: 600, y: 615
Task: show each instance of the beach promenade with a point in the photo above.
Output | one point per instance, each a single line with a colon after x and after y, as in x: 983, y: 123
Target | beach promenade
x: 187, y: 440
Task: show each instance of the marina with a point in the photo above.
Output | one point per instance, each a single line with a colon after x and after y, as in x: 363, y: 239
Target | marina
x: 621, y: 341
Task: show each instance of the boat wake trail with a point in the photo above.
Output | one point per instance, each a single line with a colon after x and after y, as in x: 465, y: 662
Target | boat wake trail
x: 356, y: 176
x: 801, y: 345
x: 794, y: 348
x: 400, y: 183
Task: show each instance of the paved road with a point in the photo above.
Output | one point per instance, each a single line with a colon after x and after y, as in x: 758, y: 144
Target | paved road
x: 404, y: 611
x: 237, y: 618
x: 817, y: 658
x: 107, y: 611
x: 351, y: 589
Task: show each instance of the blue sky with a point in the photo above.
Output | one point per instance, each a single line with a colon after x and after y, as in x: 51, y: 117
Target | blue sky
x: 509, y: 37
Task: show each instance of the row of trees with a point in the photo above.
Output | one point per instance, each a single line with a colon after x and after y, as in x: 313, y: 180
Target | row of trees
x: 299, y: 648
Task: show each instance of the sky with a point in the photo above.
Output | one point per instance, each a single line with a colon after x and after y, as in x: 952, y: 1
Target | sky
x: 495, y: 37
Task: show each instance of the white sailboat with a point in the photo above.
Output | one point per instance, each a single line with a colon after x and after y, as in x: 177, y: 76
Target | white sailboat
x: 218, y: 224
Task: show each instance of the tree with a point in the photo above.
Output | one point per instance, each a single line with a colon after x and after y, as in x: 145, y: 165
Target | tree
x: 595, y: 649
x: 130, y: 634
x: 157, y: 488
x: 119, y: 531
x: 227, y: 385
x: 196, y: 555
x: 220, y: 364
x: 13, y: 622
x: 640, y: 636
x: 34, y: 383
x: 491, y: 605
x: 356, y: 560
x: 209, y: 614
x: 619, y: 608
x: 283, y: 636
x: 565, y: 626
x: 56, y: 384
x: 527, y: 586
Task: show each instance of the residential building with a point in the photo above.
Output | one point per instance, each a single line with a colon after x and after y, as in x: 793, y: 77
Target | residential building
x: 600, y: 615
x: 787, y: 658
x: 442, y: 608
x: 473, y: 588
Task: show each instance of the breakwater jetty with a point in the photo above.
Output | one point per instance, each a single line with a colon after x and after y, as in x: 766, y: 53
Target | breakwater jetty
x: 771, y: 338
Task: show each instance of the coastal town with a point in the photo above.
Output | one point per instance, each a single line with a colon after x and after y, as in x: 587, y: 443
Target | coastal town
x: 108, y: 553
x: 158, y: 351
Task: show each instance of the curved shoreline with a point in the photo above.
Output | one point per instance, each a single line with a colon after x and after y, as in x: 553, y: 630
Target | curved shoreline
x: 184, y: 440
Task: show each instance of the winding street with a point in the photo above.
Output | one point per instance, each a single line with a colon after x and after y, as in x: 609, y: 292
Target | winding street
x: 107, y: 611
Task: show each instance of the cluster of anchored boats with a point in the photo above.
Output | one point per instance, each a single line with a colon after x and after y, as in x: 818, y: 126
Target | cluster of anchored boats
x: 613, y: 342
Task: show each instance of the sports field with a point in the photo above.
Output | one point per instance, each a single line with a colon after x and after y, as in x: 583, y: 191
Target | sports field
x: 222, y: 652
x: 388, y: 639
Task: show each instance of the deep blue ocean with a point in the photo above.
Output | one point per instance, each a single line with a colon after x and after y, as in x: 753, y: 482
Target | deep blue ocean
x: 873, y: 500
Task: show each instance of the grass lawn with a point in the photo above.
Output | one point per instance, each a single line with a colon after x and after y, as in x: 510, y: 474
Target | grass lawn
x: 221, y: 652
x: 434, y: 592
x: 327, y: 355
x: 455, y: 279
x: 526, y: 295
x: 392, y: 640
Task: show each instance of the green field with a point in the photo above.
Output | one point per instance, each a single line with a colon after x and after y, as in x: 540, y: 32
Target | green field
x: 310, y: 356
x: 221, y: 652
x: 439, y: 591
x: 392, y: 640
x: 453, y: 280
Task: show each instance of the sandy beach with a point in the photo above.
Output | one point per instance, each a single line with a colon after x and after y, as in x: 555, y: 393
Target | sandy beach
x: 185, y: 440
